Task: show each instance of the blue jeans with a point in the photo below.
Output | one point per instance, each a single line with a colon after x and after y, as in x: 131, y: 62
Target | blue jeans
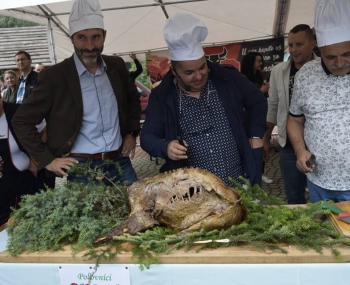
x: 122, y: 172
x: 318, y: 193
x: 294, y: 180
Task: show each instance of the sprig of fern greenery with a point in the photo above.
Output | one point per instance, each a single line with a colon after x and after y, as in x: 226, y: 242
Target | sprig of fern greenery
x: 72, y: 214
x: 76, y: 214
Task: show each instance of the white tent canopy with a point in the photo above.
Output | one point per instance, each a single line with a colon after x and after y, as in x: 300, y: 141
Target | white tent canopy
x: 136, y: 25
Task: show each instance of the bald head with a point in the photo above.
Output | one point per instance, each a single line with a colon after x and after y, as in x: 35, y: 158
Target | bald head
x: 39, y: 67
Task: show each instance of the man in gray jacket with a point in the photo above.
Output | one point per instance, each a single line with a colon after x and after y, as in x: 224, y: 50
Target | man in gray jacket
x: 301, y: 44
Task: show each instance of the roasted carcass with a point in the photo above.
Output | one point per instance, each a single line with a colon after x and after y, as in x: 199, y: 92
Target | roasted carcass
x: 186, y: 200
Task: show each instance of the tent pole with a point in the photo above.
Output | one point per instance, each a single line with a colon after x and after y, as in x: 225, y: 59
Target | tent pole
x: 281, y: 17
x: 52, y: 43
x: 160, y: 2
x: 122, y: 8
x: 51, y: 17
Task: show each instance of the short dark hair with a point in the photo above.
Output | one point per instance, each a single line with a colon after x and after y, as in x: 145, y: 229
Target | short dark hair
x: 175, y: 63
x: 23, y: 52
x: 303, y: 28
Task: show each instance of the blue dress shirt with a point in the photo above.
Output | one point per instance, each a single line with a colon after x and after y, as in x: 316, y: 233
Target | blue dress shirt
x: 100, y: 131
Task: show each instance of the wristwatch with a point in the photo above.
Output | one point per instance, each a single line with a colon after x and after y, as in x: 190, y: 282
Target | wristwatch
x: 135, y: 134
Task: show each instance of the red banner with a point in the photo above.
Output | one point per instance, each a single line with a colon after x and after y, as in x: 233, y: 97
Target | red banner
x: 272, y: 50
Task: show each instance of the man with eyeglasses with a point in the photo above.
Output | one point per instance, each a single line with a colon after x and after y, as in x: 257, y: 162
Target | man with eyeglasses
x: 196, y: 116
x: 319, y: 117
x: 28, y: 78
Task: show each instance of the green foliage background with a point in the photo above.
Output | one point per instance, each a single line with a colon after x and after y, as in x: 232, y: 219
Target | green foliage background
x: 9, y: 22
x: 143, y: 77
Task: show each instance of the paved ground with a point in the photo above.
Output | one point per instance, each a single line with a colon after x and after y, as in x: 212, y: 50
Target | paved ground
x: 145, y: 167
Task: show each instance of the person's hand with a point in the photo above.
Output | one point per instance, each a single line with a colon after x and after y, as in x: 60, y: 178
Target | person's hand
x: 61, y: 164
x: 265, y: 87
x: 128, y: 147
x: 266, y: 156
x: 302, y: 157
x: 133, y: 56
x: 176, y: 151
x: 33, y: 169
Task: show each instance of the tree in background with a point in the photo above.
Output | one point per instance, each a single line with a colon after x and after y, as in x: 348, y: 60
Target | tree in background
x: 9, y: 22
x: 143, y: 77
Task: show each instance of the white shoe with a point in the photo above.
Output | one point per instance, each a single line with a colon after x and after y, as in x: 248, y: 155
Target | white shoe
x: 266, y: 179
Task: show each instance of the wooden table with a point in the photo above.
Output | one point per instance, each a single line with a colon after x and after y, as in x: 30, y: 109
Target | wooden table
x: 242, y: 265
x: 229, y: 255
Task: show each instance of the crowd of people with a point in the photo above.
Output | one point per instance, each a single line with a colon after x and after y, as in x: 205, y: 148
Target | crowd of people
x: 87, y: 109
x: 18, y: 175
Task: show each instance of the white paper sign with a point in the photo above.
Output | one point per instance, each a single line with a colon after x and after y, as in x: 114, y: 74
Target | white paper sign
x: 90, y: 275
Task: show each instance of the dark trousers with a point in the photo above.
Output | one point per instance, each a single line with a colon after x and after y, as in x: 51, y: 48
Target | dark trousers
x: 43, y: 182
x: 294, y: 180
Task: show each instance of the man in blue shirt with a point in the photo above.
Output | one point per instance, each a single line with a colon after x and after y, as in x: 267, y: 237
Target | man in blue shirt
x: 91, y: 107
x: 28, y: 78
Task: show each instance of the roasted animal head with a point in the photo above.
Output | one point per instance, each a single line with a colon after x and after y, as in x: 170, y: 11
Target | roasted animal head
x: 186, y: 200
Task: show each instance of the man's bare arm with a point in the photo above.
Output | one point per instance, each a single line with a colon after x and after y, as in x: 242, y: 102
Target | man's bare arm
x: 266, y: 140
x: 295, y: 131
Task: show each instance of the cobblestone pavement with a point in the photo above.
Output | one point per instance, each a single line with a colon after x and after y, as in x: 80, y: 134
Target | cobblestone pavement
x: 146, y: 166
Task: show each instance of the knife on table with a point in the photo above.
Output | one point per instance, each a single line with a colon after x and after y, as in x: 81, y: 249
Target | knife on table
x: 341, y: 214
x: 333, y: 208
x: 345, y: 217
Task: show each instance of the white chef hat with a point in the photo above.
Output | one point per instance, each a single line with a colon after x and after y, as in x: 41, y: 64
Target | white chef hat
x: 183, y: 34
x: 85, y: 14
x: 332, y: 21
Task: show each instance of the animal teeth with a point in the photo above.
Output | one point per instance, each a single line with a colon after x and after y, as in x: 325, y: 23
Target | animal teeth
x: 151, y: 202
x: 204, y: 241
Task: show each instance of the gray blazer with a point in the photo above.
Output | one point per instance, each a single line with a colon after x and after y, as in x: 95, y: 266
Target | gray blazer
x: 278, y: 101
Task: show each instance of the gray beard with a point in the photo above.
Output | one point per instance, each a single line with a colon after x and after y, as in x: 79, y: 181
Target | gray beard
x: 89, y: 60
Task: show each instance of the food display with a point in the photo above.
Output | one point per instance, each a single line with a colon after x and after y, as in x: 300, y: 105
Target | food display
x: 185, y: 200
x: 184, y: 208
